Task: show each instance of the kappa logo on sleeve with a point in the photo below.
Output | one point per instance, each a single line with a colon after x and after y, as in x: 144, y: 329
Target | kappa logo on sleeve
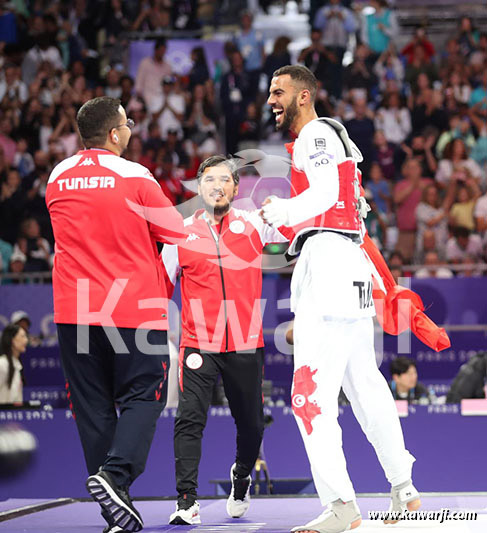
x: 192, y: 237
x: 320, y: 143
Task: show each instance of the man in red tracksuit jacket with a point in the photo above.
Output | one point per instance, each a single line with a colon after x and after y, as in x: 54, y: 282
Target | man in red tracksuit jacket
x: 221, y: 284
x: 110, y: 304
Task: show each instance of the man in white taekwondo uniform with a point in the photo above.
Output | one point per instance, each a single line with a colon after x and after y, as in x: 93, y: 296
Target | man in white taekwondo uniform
x: 331, y: 296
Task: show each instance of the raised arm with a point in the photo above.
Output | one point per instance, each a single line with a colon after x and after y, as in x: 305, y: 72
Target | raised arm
x: 316, y: 154
x: 164, y: 221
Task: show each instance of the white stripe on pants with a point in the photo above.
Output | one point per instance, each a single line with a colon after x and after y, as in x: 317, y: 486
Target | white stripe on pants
x: 329, y: 353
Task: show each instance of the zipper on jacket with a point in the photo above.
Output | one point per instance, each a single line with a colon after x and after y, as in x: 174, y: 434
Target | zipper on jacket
x: 216, y: 238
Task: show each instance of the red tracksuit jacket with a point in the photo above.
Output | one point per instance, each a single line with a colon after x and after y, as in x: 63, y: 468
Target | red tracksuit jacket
x: 107, y: 214
x: 221, y: 280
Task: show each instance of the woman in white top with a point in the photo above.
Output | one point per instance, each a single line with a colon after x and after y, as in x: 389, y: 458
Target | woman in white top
x: 459, y: 88
x: 432, y: 214
x: 394, y: 119
x: 12, y: 344
x: 455, y: 158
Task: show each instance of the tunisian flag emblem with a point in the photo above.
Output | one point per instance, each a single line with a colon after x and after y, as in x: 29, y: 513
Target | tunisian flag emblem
x: 303, y: 387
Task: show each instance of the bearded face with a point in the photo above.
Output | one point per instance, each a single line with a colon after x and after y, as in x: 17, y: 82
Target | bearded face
x: 283, y: 100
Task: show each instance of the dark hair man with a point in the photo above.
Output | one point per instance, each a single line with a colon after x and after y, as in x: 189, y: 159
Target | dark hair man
x: 470, y: 380
x: 404, y: 384
x: 107, y: 214
x: 331, y: 296
x: 221, y: 285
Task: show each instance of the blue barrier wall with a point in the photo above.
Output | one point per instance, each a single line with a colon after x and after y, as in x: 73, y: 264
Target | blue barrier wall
x: 449, y: 450
x: 459, y: 304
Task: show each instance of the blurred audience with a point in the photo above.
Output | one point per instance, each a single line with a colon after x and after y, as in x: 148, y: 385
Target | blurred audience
x: 379, y: 188
x: 480, y: 214
x: 379, y: 27
x: 433, y: 268
x: 150, y: 74
x: 172, y: 108
x: 394, y: 119
x: 465, y: 191
x: 35, y: 248
x: 419, y: 39
x: 235, y: 94
x: 389, y: 68
x: 385, y: 155
x: 250, y: 43
x: 415, y: 114
x: 455, y: 161
x: 463, y: 243
x: 361, y: 129
x: 317, y: 58
x: 407, y: 196
x: 432, y: 215
x: 337, y: 23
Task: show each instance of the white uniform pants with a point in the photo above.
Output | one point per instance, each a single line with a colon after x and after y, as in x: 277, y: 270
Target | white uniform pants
x: 330, y: 352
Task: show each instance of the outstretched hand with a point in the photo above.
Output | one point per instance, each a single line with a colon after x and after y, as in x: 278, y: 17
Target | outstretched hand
x: 274, y: 212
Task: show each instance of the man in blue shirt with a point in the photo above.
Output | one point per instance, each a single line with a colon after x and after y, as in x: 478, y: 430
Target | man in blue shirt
x: 478, y: 98
x: 337, y: 23
x: 251, y: 45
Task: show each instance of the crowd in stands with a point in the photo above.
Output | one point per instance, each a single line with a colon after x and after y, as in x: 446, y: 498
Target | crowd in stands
x: 418, y: 114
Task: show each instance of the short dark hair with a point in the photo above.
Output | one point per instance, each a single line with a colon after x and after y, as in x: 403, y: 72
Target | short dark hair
x: 397, y: 253
x: 161, y: 41
x: 461, y: 231
x: 215, y: 161
x: 400, y: 365
x: 126, y: 77
x: 302, y: 75
x: 96, y: 118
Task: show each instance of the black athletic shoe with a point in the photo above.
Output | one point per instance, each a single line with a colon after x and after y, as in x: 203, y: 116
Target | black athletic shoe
x: 114, y: 529
x: 115, y: 501
x: 110, y: 528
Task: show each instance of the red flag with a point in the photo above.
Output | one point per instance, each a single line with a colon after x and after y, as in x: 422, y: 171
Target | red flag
x: 399, y: 308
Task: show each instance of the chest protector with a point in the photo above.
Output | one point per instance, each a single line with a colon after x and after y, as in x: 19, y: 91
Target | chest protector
x: 346, y: 215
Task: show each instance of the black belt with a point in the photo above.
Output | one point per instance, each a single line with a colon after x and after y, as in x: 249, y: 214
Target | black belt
x: 355, y: 237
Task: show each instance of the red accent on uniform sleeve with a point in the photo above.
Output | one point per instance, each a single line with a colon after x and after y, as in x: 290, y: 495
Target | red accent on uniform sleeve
x: 289, y: 147
x: 392, y: 311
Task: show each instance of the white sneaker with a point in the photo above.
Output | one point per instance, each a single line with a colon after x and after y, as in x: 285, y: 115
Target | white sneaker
x: 186, y: 517
x: 339, y: 517
x: 404, y: 497
x: 239, y: 500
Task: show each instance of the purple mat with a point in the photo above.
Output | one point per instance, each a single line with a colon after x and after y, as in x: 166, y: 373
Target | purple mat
x: 269, y: 515
x: 15, y: 503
